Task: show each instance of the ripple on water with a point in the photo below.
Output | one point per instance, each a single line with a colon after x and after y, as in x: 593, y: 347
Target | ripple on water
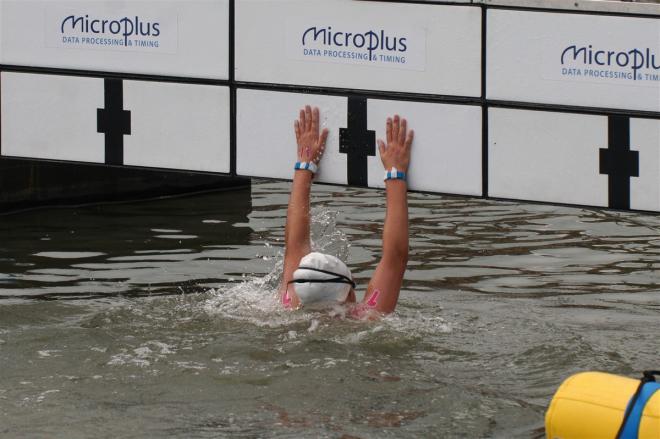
x: 179, y: 237
x: 69, y: 255
x: 501, y: 303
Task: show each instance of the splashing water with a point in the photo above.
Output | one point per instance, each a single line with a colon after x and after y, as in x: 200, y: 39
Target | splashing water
x: 326, y: 237
x: 255, y: 299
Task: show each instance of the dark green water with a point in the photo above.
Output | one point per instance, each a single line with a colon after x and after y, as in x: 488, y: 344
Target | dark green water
x: 158, y: 319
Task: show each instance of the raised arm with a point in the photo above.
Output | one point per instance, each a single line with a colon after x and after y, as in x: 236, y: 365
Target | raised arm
x: 311, y: 146
x: 383, y: 290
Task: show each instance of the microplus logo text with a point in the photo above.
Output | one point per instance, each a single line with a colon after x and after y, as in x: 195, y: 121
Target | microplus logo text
x: 631, y: 65
x: 105, y: 31
x: 126, y: 27
x: 95, y: 30
x: 370, y: 41
x: 375, y: 47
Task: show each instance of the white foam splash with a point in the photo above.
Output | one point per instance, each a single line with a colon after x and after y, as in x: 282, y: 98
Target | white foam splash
x: 143, y: 355
x: 191, y: 365
x: 49, y: 353
x: 125, y: 358
x: 255, y: 300
x: 420, y: 323
x: 42, y: 395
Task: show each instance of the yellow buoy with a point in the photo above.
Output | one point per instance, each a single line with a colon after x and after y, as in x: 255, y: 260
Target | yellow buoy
x: 592, y: 405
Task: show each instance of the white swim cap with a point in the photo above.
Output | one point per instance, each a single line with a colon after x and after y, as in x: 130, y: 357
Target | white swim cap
x: 322, y: 280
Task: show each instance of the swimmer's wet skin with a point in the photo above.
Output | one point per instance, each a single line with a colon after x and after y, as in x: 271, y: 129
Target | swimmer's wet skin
x: 313, y: 279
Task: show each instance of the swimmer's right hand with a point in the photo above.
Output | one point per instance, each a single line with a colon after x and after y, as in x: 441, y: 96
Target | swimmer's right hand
x: 396, y: 152
x: 311, y: 142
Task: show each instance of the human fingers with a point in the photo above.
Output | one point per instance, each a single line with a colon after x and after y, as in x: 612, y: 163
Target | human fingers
x: 323, y: 139
x: 302, y: 120
x: 395, y: 128
x: 409, y: 139
x: 308, y: 117
x: 315, y: 120
x: 381, y: 147
x: 320, y: 150
x: 403, y: 131
x: 388, y: 130
x: 296, y: 127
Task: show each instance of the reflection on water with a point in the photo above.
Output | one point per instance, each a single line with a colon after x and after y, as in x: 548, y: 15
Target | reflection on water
x: 160, y: 247
x: 159, y: 319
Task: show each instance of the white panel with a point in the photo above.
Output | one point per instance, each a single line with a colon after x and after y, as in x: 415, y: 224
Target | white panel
x: 645, y: 190
x: 530, y: 58
x: 177, y: 37
x: 446, y: 154
x: 433, y: 48
x: 546, y: 156
x: 266, y: 143
x: 621, y: 7
x: 51, y: 117
x: 177, y: 126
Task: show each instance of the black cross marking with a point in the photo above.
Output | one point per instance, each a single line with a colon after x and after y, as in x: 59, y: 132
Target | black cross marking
x: 619, y: 162
x: 114, y: 121
x: 357, y: 142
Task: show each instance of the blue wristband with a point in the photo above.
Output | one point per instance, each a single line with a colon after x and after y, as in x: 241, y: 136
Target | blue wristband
x: 394, y: 174
x: 306, y: 166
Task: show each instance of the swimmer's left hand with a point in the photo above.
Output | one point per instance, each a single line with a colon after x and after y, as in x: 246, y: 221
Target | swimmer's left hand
x: 311, y: 141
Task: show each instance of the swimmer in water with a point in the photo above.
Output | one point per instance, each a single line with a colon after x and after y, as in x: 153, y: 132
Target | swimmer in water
x: 315, y: 280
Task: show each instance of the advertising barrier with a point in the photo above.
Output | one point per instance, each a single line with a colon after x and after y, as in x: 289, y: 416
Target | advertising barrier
x: 446, y: 156
x: 116, y: 122
x: 574, y: 59
x: 606, y: 161
x: 187, y: 38
x: 507, y: 101
x: 390, y: 47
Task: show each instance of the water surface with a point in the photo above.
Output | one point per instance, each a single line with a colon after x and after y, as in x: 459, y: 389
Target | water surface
x: 158, y: 319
